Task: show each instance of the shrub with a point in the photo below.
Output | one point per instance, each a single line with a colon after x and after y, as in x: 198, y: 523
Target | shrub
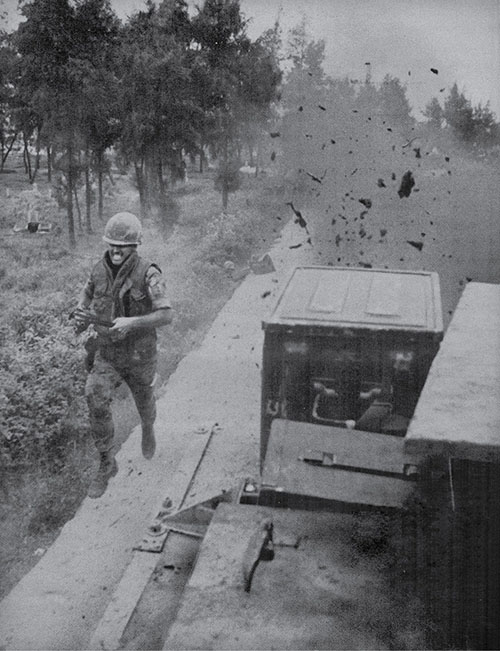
x: 41, y: 380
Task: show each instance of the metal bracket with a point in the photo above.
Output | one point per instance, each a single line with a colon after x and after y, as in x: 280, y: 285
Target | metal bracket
x: 328, y: 459
x: 192, y: 521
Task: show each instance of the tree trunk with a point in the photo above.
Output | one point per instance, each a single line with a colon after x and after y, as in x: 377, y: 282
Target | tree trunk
x: 201, y: 157
x: 141, y: 187
x: 162, y: 189
x: 37, y: 157
x: 27, y: 158
x: 6, y: 152
x: 225, y: 192
x: 225, y: 195
x: 69, y: 193
x: 100, y: 199
x: 78, y: 211
x: 88, y: 193
x: 49, y: 163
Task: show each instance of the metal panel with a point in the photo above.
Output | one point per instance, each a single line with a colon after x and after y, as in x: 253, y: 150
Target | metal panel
x: 360, y: 298
x: 376, y: 461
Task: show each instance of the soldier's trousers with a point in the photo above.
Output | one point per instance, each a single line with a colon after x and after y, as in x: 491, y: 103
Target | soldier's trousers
x: 103, y: 379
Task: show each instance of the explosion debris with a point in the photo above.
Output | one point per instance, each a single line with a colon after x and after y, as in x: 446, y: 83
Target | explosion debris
x: 417, y: 245
x: 435, y: 71
x: 316, y: 178
x: 407, y: 183
x: 300, y: 220
x: 366, y: 202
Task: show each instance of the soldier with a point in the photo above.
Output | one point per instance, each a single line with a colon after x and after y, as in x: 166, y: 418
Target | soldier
x: 128, y: 293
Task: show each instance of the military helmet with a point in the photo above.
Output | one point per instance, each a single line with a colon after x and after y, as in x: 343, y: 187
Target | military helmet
x: 123, y: 229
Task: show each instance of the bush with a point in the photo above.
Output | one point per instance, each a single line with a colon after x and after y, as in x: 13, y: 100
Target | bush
x: 41, y: 380
x: 229, y: 237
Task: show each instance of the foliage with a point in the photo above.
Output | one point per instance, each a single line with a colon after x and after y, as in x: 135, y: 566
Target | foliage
x: 434, y: 113
x: 41, y: 382
x: 241, y: 79
x: 471, y: 125
x: 458, y: 113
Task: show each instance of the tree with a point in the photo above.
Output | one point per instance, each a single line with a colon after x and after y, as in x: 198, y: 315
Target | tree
x: 158, y: 107
x: 459, y: 114
x: 9, y: 65
x: 99, y: 108
x: 394, y: 105
x: 434, y: 113
x: 486, y: 129
x: 219, y: 30
x: 306, y: 82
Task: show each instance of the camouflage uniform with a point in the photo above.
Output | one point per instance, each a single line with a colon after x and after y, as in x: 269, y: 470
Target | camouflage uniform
x: 136, y: 290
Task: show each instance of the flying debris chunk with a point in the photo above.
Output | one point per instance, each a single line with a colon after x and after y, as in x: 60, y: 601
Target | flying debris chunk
x: 417, y: 152
x: 300, y: 220
x: 275, y: 134
x: 381, y: 184
x: 266, y: 294
x: 366, y: 202
x: 332, y: 141
x: 316, y: 178
x: 435, y: 71
x: 383, y: 232
x: 418, y: 245
x: 407, y: 183
x: 393, y: 176
x: 321, y: 107
x: 447, y: 159
x: 295, y: 246
x: 273, y: 155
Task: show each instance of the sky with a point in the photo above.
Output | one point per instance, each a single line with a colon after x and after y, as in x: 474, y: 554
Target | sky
x: 404, y: 38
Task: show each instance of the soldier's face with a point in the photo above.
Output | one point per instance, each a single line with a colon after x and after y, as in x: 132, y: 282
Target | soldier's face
x: 118, y: 254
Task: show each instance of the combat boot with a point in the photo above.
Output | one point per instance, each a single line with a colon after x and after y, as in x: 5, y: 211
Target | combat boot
x: 148, y: 441
x: 107, y: 469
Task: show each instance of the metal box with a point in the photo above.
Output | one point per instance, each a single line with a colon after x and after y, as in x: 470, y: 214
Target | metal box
x: 350, y: 348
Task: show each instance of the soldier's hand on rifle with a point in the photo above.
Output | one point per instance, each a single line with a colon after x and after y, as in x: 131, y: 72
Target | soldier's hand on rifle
x: 122, y: 326
x: 82, y: 319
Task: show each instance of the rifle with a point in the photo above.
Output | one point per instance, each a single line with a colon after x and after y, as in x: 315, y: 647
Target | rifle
x: 86, y: 318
